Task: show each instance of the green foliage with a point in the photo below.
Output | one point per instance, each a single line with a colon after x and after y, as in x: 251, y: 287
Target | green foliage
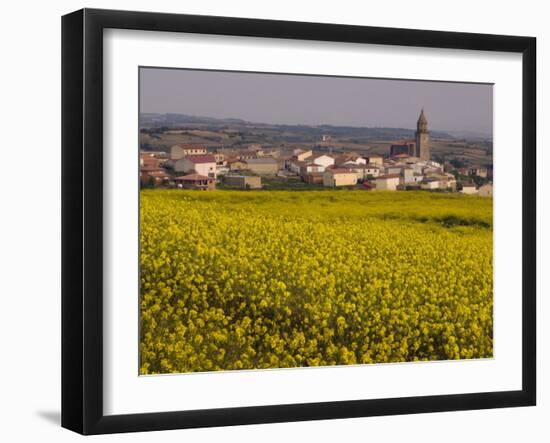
x: 264, y: 279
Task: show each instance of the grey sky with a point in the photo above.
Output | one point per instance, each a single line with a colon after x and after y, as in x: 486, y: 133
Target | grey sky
x: 294, y: 99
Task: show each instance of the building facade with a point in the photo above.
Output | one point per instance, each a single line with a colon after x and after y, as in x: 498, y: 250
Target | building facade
x: 339, y: 177
x: 182, y: 150
x: 263, y: 165
x: 388, y: 182
x: 244, y: 181
x: 196, y: 181
x: 201, y: 164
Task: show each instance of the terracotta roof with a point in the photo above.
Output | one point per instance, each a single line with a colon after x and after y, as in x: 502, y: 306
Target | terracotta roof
x: 148, y: 168
x: 194, y: 177
x: 201, y: 158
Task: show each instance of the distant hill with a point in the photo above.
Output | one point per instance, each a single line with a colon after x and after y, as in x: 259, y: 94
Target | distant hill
x: 151, y: 120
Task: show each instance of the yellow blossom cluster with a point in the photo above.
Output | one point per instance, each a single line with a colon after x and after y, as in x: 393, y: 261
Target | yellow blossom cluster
x: 276, y: 279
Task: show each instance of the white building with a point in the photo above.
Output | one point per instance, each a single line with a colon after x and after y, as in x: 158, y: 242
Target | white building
x: 311, y: 168
x: 469, y: 188
x: 363, y: 171
x: 201, y: 164
x: 430, y: 184
x: 339, y: 177
x: 387, y: 182
x: 323, y: 160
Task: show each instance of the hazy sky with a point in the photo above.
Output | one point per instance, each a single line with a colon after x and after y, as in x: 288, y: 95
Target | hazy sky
x: 294, y: 99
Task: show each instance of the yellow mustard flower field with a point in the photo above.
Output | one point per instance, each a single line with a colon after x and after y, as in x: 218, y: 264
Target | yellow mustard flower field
x: 278, y: 279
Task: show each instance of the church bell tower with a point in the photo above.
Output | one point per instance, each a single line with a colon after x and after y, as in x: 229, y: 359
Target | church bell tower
x: 423, y: 138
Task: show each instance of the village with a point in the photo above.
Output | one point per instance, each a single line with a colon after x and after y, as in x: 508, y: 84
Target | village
x: 407, y: 166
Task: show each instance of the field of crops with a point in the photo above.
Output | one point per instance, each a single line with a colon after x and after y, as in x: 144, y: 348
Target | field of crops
x: 273, y: 279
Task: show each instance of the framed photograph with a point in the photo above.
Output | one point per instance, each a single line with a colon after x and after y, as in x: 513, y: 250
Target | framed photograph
x: 269, y: 221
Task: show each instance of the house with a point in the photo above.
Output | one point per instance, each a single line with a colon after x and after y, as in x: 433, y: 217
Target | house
x: 183, y: 150
x: 201, y: 164
x: 486, y: 190
x: 339, y: 177
x: 244, y: 181
x: 310, y: 168
x: 363, y: 172
x: 313, y: 178
x: 263, y: 165
x: 430, y: 184
x: 301, y: 155
x: 196, y: 181
x: 408, y: 175
x: 394, y: 169
x: 148, y: 160
x: 219, y: 157
x: 153, y: 176
x: 246, y: 155
x: 388, y: 182
x: 322, y: 159
x: 296, y: 166
x: 469, y: 188
x: 236, y: 165
x: 479, y: 171
x: 375, y: 159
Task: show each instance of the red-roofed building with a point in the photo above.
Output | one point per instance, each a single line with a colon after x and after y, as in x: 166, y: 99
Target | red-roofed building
x: 196, y: 181
x: 150, y: 175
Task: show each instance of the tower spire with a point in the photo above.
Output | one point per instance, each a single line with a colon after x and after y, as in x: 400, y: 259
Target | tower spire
x: 422, y: 137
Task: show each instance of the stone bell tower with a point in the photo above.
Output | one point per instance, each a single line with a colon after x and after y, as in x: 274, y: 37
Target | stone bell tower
x: 423, y: 138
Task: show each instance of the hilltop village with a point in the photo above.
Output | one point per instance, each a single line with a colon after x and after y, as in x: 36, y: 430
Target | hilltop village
x: 407, y: 166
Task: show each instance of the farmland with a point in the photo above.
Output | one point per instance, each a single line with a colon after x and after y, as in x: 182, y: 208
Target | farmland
x: 276, y: 279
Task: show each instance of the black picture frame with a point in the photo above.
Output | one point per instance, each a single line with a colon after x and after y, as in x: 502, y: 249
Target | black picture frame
x: 82, y: 218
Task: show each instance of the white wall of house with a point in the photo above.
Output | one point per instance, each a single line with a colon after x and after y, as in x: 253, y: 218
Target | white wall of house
x: 387, y: 184
x: 376, y: 160
x: 432, y: 184
x: 314, y: 168
x: 186, y: 165
x: 339, y: 179
x: 469, y: 190
x: 324, y: 160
